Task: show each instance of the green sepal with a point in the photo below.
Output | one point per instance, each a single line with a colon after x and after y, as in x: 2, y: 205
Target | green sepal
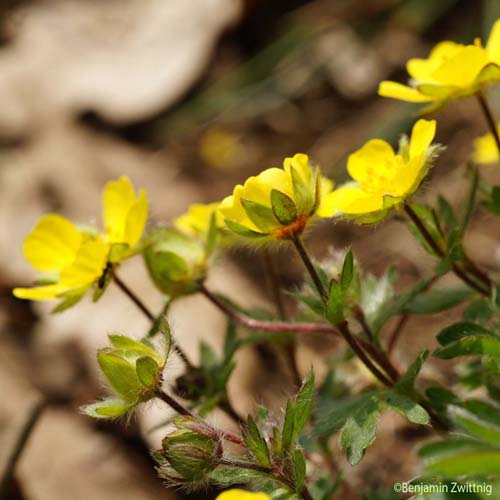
x: 283, y: 207
x: 107, y: 409
x: 261, y: 215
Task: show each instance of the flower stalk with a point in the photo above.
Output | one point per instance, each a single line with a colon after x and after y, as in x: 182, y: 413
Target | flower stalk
x: 490, y: 120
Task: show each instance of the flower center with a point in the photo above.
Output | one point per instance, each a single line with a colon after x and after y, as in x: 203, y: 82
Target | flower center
x: 381, y: 179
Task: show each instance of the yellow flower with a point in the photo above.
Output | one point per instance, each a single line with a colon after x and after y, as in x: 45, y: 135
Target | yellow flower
x: 221, y: 149
x: 242, y: 495
x: 485, y: 149
x: 451, y: 71
x: 124, y: 216
x: 278, y: 202
x: 196, y: 221
x: 383, y: 178
x: 72, y: 259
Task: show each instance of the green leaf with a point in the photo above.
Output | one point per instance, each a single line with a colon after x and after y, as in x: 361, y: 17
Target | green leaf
x: 121, y: 375
x: 407, y: 381
x: 67, y: 302
x: 335, y: 306
x: 440, y: 398
x: 458, y: 331
x: 478, y: 311
x: 355, y: 418
x: 426, y: 216
x: 399, y: 304
x: 479, y: 419
x: 313, y: 303
x: 108, y: 408
x: 471, y: 463
x: 287, y: 435
x: 299, y: 463
x: 228, y: 476
x: 147, y: 370
x: 358, y: 433
x: 283, y: 207
x: 446, y: 214
x: 303, y: 406
x: 438, y: 300
x: 262, y: 216
x: 333, y: 413
x: 347, y: 271
x: 448, y: 447
x: 493, y: 205
x: 468, y: 346
x: 208, y: 357
x: 408, y: 408
x: 256, y: 443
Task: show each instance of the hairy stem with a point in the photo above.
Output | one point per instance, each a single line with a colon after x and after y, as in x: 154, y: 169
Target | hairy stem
x: 489, y: 118
x: 265, y: 326
x: 440, y: 252
x: 182, y: 410
x: 360, y: 353
x: 138, y: 302
x: 310, y: 267
x: 274, y: 284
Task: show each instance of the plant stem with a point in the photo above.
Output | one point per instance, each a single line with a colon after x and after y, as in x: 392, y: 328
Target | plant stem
x: 265, y: 326
x: 182, y: 410
x: 354, y: 345
x: 13, y: 450
x: 342, y: 326
x: 396, y: 333
x: 440, y: 252
x: 489, y: 118
x: 244, y: 465
x: 310, y: 267
x: 274, y: 284
x: 134, y: 298
x: 138, y: 302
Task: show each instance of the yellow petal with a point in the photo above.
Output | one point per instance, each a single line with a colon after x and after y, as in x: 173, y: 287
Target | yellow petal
x: 410, y: 176
x: 232, y: 209
x: 118, y: 198
x: 421, y: 136
x: 242, y: 495
x: 485, y: 149
x: 46, y: 292
x: 88, y: 266
x: 493, y: 45
x: 463, y: 67
x: 136, y: 220
x: 349, y: 199
x: 196, y: 220
x: 258, y: 188
x: 373, y: 156
x: 52, y: 244
x: 422, y: 70
x: 300, y: 162
x: 402, y: 92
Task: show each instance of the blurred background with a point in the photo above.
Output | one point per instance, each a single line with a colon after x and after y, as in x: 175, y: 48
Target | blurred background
x: 187, y: 99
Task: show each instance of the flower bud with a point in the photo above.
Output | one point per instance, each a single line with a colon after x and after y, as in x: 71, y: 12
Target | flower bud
x: 189, y: 453
x: 176, y: 262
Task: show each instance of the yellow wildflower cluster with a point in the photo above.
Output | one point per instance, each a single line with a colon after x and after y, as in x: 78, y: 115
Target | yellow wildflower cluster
x: 451, y: 71
x: 73, y: 259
